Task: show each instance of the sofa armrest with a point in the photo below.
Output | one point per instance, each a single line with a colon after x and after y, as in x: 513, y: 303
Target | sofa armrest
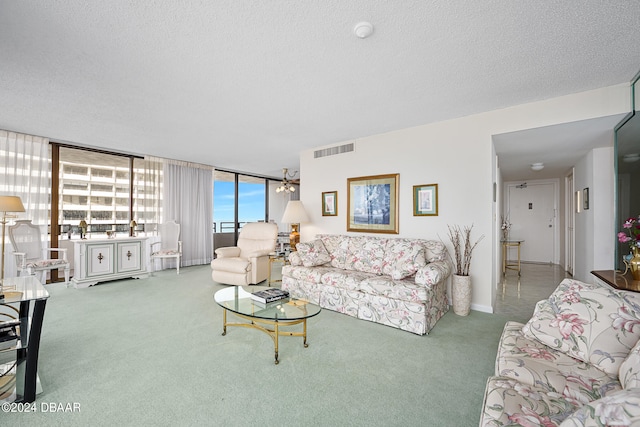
x: 432, y: 273
x: 228, y: 252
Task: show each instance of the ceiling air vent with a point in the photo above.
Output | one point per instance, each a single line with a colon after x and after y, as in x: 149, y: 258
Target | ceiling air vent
x: 332, y: 151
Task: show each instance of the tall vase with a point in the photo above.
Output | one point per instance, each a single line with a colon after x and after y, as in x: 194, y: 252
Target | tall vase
x: 634, y: 263
x: 461, y: 294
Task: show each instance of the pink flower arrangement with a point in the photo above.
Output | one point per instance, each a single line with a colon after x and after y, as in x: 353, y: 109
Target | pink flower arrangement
x: 631, y: 235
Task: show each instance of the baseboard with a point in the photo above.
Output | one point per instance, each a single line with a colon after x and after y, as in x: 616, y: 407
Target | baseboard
x: 482, y: 308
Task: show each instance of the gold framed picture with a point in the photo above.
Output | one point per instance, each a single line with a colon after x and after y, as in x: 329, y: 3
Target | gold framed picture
x: 329, y: 203
x: 372, y: 204
x: 425, y: 200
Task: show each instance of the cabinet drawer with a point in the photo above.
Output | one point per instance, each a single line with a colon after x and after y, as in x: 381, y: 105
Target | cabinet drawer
x: 100, y: 259
x: 129, y: 256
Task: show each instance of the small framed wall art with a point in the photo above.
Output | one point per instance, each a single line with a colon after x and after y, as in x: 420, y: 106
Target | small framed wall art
x: 372, y: 204
x: 585, y: 198
x: 425, y: 200
x: 330, y: 203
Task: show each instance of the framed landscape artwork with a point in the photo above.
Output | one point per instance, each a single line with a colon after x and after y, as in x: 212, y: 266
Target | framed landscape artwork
x: 425, y: 200
x: 372, y: 204
x: 330, y: 203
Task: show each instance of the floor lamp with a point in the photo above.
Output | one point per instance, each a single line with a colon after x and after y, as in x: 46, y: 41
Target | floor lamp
x: 8, y: 204
x: 294, y: 214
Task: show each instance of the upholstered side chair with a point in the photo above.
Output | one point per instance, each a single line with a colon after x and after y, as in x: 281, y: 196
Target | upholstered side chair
x: 31, y: 254
x: 248, y: 262
x: 169, y: 246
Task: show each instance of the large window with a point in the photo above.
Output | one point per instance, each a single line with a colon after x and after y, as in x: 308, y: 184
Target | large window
x: 95, y: 187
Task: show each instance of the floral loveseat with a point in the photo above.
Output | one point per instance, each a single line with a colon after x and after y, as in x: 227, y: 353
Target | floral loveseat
x: 575, y: 363
x: 393, y: 281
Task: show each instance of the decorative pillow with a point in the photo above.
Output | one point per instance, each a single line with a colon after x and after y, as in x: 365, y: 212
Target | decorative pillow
x: 630, y: 369
x: 313, y: 253
x: 592, y: 323
x: 402, y: 258
x: 294, y: 259
x: 621, y: 408
x: 366, y: 254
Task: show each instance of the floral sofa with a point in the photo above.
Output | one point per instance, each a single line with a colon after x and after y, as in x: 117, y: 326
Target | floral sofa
x: 397, y: 282
x: 575, y: 363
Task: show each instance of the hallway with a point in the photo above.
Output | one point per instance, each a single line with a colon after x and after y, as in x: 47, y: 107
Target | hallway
x: 517, y: 296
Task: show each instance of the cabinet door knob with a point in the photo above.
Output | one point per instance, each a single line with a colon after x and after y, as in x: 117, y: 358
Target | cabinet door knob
x: 129, y: 255
x: 100, y: 257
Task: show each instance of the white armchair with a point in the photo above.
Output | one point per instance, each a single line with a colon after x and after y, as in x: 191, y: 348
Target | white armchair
x: 248, y: 262
x: 169, y: 246
x: 31, y: 255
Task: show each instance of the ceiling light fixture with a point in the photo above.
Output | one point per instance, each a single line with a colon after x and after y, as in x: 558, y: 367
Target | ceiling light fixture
x: 363, y: 30
x: 286, y: 185
x: 537, y: 166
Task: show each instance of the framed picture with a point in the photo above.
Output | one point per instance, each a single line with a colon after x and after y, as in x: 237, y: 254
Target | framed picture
x: 585, y: 198
x: 425, y: 200
x: 372, y: 204
x: 330, y: 203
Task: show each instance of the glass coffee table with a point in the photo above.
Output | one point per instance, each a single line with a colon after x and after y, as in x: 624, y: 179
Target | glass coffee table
x: 268, y: 318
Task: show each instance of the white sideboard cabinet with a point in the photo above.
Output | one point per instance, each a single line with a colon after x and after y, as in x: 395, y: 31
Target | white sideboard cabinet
x: 101, y: 260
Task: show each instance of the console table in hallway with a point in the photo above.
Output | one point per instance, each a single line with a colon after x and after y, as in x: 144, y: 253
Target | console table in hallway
x: 506, y: 263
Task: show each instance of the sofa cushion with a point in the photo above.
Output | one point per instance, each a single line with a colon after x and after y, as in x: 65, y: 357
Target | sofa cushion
x: 343, y: 278
x: 403, y: 257
x: 508, y: 402
x: 598, y: 325
x: 366, y: 254
x: 294, y: 259
x: 313, y: 253
x: 434, y: 250
x: 338, y: 248
x: 630, y: 369
x: 405, y: 290
x: 621, y: 408
x: 533, y: 363
x: 307, y: 274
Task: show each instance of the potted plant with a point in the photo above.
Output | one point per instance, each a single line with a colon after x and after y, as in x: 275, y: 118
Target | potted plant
x: 462, y: 250
x: 631, y: 235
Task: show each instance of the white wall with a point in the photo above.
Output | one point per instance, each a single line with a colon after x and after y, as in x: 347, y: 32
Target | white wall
x: 595, y: 228
x: 455, y: 154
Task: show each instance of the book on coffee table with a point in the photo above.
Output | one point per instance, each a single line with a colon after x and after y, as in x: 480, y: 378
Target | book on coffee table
x: 269, y: 295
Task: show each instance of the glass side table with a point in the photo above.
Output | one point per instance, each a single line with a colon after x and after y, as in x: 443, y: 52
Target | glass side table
x: 280, y: 257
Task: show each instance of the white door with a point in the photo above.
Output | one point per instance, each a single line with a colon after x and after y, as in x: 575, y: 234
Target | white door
x: 532, y: 213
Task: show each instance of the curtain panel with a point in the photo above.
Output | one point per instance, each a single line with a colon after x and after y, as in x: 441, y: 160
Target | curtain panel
x: 25, y: 171
x: 188, y: 199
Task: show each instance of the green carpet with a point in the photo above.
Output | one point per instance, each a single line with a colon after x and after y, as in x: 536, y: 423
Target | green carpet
x: 150, y: 352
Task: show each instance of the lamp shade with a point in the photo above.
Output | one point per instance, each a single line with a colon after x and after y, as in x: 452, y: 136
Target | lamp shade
x: 133, y: 223
x: 295, y: 213
x: 11, y: 204
x: 83, y: 224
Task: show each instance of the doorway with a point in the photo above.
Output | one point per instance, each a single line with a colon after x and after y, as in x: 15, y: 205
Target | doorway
x: 531, y: 208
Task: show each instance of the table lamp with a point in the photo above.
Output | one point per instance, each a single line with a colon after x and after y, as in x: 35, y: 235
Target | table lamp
x: 132, y: 228
x: 8, y: 204
x: 294, y: 214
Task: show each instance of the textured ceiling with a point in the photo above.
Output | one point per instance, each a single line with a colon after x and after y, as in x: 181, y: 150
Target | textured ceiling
x: 246, y: 85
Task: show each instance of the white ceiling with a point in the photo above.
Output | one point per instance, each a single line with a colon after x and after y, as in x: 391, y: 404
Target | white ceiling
x: 246, y: 85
